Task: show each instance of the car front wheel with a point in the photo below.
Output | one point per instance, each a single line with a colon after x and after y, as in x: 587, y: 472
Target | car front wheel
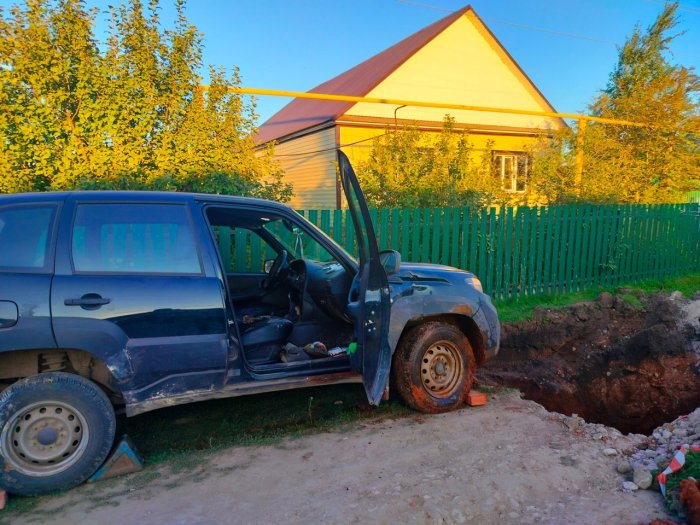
x: 433, y: 367
x: 56, y: 429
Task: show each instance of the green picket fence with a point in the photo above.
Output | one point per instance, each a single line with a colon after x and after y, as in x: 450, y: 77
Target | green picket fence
x: 525, y: 251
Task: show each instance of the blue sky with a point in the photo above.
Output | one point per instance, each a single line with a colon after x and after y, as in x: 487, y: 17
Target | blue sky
x: 568, y: 48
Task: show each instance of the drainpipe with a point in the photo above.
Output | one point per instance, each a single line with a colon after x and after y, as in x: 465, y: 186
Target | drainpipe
x: 396, y: 125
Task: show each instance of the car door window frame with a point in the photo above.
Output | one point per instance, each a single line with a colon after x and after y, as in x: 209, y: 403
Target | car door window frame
x: 309, y: 228
x: 51, y: 233
x: 189, y: 223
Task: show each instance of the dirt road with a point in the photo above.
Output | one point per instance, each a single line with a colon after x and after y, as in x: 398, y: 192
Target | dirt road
x: 508, y: 462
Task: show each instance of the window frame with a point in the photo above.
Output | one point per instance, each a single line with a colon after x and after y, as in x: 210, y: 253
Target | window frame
x: 499, y: 170
x: 190, y: 223
x: 51, y: 234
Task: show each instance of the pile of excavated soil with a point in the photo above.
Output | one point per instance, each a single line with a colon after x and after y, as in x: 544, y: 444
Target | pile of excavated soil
x: 631, y: 364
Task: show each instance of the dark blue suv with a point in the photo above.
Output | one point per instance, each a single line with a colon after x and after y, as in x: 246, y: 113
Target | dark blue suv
x: 144, y: 300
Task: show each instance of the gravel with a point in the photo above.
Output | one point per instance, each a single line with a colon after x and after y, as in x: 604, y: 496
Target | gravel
x: 658, y: 449
x: 629, y: 486
x: 623, y: 467
x: 636, y: 453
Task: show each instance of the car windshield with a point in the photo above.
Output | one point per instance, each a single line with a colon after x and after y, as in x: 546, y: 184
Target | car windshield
x: 299, y: 243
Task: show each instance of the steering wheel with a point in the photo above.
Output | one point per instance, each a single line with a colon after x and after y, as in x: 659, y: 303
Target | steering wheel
x: 278, y: 271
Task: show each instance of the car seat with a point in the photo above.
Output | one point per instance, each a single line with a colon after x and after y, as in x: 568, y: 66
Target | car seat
x: 262, y: 339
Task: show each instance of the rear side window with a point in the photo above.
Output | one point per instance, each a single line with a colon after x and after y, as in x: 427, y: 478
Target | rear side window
x: 25, y: 232
x: 134, y: 238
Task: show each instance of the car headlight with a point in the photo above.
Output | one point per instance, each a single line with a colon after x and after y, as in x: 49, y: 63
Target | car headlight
x: 475, y: 282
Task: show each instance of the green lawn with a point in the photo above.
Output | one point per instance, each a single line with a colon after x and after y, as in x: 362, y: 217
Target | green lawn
x: 250, y: 420
x: 521, y: 309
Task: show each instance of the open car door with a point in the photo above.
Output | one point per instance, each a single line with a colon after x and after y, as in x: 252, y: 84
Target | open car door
x: 368, y: 300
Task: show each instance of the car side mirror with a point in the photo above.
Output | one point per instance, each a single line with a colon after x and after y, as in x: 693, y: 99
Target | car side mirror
x: 267, y: 265
x: 390, y: 260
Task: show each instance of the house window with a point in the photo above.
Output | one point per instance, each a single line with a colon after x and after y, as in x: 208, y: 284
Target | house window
x: 513, y: 169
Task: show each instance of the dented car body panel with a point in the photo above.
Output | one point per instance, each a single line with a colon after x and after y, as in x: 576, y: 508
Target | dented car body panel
x: 421, y: 291
x: 155, y: 331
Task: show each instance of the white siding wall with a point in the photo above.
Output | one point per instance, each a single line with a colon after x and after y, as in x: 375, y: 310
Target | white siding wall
x: 309, y: 165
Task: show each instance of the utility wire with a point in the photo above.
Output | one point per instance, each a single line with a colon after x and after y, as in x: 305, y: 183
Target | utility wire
x: 551, y: 31
x: 324, y: 150
x: 518, y: 24
x: 681, y: 7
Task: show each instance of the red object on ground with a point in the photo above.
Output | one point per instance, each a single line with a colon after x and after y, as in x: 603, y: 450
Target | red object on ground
x: 3, y: 499
x: 676, y: 464
x: 476, y: 399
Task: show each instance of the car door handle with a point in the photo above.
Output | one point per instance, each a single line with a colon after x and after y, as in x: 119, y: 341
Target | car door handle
x: 89, y: 300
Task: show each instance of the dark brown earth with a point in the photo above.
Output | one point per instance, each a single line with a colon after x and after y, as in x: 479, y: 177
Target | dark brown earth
x: 630, y: 366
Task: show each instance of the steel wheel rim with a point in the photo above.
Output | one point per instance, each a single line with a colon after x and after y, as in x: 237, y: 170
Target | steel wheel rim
x: 45, y: 438
x: 441, y: 369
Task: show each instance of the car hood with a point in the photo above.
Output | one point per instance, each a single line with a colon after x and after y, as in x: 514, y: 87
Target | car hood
x: 431, y: 272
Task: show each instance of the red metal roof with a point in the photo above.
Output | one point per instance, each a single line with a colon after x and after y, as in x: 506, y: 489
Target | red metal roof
x: 301, y: 114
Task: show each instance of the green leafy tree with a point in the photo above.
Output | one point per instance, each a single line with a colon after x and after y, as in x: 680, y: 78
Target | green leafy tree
x: 410, y: 168
x: 657, y: 162
x: 126, y: 113
x: 552, y: 170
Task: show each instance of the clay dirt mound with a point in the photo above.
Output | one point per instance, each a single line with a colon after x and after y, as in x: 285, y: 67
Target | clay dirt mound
x: 627, y: 361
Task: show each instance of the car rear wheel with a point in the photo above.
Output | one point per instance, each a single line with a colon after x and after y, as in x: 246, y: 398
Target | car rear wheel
x: 56, y: 429
x: 433, y: 367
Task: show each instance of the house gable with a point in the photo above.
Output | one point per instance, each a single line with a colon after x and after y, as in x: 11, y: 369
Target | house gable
x: 455, y: 60
x: 463, y: 64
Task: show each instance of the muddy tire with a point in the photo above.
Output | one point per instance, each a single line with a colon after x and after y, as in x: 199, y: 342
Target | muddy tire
x: 433, y: 368
x: 56, y: 430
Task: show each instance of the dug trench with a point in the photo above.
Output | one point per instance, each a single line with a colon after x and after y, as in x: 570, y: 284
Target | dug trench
x: 630, y: 362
